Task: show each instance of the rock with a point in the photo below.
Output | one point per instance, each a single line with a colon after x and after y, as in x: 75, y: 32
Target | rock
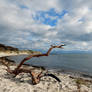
x: 7, y: 61
x: 22, y: 83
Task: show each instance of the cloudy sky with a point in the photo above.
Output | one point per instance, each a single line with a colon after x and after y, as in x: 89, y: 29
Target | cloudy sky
x: 36, y: 24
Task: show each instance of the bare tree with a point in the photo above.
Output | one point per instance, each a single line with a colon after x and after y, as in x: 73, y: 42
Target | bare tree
x: 35, y: 77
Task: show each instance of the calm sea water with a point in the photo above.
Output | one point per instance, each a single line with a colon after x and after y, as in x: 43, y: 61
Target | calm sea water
x: 77, y: 62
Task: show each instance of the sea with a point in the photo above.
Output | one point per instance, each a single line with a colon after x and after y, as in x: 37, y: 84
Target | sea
x: 73, y: 62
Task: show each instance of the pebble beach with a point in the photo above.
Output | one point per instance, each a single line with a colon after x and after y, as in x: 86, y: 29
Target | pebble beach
x: 23, y: 83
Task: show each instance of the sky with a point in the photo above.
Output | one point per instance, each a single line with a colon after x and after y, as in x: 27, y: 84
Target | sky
x: 37, y: 24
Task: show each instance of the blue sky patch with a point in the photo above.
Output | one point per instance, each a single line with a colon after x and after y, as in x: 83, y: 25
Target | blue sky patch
x: 23, y: 7
x: 49, y: 17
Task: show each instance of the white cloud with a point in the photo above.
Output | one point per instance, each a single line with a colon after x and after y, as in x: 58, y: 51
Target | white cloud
x: 17, y: 24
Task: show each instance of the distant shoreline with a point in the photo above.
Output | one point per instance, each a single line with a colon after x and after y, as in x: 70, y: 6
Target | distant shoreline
x: 14, y: 53
x: 11, y: 54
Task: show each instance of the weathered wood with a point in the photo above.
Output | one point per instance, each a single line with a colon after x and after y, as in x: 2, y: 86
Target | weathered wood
x: 35, y: 77
x: 38, y: 55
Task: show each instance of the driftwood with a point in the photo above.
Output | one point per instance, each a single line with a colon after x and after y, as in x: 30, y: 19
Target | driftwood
x: 35, y: 76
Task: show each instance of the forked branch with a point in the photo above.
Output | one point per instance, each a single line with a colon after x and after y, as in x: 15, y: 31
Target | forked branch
x: 35, y: 77
x: 39, y: 55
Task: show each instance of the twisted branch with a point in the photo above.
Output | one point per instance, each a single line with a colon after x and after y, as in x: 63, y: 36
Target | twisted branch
x: 35, y: 77
x: 38, y: 55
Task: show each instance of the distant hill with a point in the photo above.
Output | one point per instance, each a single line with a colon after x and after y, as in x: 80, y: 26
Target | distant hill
x: 4, y: 48
x: 9, y: 50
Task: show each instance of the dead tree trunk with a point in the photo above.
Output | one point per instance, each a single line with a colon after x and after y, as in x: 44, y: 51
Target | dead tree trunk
x: 38, y: 55
x: 35, y: 77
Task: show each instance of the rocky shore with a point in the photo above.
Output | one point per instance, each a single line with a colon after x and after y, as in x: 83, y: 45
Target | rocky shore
x: 23, y: 82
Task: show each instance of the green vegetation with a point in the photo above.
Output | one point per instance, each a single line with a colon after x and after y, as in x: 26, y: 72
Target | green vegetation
x: 13, y: 50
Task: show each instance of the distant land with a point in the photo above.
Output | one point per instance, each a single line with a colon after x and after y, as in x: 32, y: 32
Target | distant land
x: 62, y: 51
x: 9, y: 50
x: 71, y: 52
